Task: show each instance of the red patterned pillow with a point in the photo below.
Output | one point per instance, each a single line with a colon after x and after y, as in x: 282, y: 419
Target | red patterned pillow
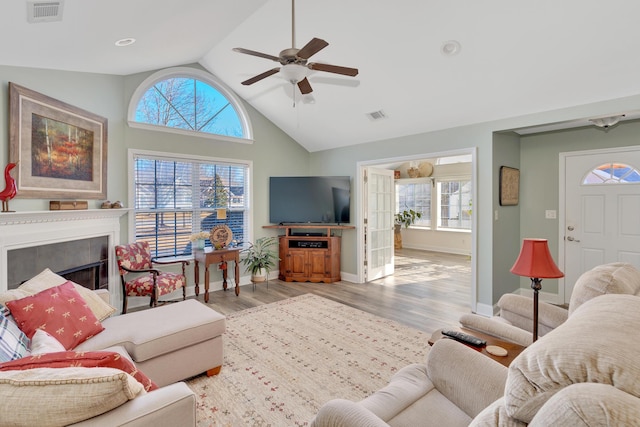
x: 89, y: 359
x: 60, y: 311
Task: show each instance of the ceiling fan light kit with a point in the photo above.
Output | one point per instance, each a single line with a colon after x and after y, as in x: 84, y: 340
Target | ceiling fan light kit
x: 294, y: 61
x: 293, y: 73
x: 607, y: 122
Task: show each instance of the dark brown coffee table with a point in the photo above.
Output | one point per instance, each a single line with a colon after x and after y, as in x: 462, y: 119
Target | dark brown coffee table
x: 512, y: 348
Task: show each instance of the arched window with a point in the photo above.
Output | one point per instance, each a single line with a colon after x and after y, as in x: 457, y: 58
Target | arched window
x: 612, y: 173
x: 187, y: 100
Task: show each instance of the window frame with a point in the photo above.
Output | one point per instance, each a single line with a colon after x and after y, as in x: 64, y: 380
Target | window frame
x: 435, y: 218
x: 438, y: 196
x: 159, y: 155
x: 426, y: 216
x: 205, y: 77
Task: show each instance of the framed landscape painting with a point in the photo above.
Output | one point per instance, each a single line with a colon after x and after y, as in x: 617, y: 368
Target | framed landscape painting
x: 61, y: 149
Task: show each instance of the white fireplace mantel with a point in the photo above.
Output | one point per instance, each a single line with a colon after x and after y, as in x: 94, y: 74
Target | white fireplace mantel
x: 26, y: 229
x: 17, y: 218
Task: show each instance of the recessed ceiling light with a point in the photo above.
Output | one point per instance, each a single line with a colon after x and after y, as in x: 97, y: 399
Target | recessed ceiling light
x: 450, y: 48
x: 125, y: 42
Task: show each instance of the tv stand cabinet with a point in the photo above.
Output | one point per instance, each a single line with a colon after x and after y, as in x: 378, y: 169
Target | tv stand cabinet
x: 309, y: 253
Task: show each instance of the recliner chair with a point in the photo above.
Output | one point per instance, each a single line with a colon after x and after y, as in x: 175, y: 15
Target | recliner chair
x: 514, y: 322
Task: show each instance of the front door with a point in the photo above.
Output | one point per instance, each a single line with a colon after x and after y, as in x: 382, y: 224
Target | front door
x: 602, y: 211
x: 380, y: 207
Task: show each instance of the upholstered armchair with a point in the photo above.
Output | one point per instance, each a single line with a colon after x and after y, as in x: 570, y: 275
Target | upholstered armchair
x: 583, y: 373
x: 515, y: 320
x: 151, y: 282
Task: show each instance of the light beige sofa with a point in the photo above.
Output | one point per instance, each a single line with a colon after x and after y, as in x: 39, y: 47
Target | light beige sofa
x: 514, y: 322
x: 168, y: 344
x: 586, y: 372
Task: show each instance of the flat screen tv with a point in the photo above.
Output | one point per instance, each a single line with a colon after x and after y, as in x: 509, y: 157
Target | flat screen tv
x: 309, y: 199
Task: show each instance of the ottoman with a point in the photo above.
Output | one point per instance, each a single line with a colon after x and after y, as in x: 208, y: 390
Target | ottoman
x: 169, y: 343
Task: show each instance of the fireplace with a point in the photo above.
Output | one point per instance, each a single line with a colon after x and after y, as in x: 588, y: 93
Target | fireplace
x: 80, y: 244
x: 83, y: 261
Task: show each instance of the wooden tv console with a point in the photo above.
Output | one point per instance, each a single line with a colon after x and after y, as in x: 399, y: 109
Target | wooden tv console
x: 311, y: 253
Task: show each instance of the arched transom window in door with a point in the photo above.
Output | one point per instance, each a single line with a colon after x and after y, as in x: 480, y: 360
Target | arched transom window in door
x: 612, y: 173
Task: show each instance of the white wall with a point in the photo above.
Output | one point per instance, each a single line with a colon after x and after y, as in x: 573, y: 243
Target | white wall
x: 454, y: 242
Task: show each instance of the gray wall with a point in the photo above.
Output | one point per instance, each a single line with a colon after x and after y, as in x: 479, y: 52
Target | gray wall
x: 506, y: 233
x: 539, y: 157
x: 274, y: 153
x: 98, y: 93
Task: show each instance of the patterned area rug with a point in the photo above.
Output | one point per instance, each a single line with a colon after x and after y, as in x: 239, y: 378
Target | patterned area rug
x: 284, y: 360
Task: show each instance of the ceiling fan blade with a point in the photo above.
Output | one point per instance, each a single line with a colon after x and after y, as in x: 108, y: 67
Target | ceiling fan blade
x: 259, y: 77
x: 311, y: 48
x: 254, y: 53
x: 333, y: 69
x: 305, y: 86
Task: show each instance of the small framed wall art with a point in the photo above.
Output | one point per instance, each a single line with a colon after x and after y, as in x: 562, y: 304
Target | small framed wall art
x: 62, y: 149
x: 509, y: 186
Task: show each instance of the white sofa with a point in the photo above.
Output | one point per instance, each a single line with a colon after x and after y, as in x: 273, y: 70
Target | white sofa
x: 586, y: 372
x: 168, y: 344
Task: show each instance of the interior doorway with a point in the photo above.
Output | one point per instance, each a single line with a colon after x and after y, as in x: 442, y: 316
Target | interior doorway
x: 362, y: 209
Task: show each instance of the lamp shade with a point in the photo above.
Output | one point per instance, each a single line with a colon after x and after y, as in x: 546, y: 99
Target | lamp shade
x: 221, y: 213
x: 535, y: 261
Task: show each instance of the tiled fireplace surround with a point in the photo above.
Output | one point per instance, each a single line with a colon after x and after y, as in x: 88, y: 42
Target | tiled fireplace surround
x: 93, y: 230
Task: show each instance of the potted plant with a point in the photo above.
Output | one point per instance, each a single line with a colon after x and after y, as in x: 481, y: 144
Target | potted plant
x: 260, y: 258
x: 407, y: 217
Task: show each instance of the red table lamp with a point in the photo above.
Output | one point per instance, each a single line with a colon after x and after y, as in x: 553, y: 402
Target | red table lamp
x: 535, y: 262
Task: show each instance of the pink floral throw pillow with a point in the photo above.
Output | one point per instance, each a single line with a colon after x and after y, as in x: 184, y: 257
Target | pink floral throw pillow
x: 60, y: 311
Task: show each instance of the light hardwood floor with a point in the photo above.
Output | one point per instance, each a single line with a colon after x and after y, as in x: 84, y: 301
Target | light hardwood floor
x: 429, y: 290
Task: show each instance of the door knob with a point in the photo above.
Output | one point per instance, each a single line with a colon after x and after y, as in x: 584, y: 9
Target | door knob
x: 570, y: 228
x: 571, y: 239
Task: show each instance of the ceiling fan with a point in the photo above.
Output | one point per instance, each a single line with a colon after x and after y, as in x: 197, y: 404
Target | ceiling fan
x: 294, y: 61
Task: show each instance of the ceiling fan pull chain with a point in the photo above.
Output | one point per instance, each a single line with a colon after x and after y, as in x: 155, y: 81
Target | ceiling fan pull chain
x: 293, y: 24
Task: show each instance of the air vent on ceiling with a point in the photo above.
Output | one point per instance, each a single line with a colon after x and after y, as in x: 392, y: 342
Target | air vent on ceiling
x: 377, y: 115
x: 43, y: 11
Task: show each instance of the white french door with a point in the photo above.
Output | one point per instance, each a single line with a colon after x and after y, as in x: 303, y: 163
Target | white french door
x: 380, y: 207
x: 601, y: 211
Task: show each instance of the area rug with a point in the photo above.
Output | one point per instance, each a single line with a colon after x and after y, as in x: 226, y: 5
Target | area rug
x: 283, y: 361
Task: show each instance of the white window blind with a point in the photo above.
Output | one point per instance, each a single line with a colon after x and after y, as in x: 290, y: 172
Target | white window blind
x: 175, y: 198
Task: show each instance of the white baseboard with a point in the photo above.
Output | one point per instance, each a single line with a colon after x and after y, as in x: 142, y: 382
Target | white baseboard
x: 486, y: 310
x: 445, y: 250
x: 348, y: 277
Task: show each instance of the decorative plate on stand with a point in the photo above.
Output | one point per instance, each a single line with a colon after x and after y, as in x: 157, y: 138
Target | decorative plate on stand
x: 221, y: 236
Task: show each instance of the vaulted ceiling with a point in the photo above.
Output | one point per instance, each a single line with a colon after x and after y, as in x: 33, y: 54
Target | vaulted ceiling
x: 516, y: 57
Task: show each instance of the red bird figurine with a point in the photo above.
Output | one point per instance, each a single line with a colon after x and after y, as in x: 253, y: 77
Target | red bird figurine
x: 10, y: 188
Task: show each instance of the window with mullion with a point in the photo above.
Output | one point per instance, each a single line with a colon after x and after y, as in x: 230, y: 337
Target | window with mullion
x: 176, y: 198
x: 454, y: 204
x: 416, y: 196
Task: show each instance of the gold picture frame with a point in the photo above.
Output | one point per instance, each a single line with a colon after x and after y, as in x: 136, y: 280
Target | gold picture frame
x: 509, y: 186
x: 61, y: 149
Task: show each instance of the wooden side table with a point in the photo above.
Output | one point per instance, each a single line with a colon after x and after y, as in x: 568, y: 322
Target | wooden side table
x: 513, y: 349
x: 221, y: 257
